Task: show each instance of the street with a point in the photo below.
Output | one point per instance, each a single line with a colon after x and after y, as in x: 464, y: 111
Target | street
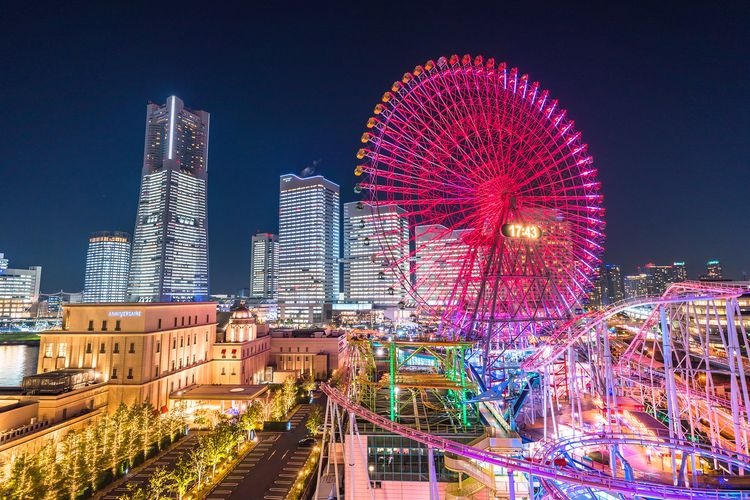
x: 270, y: 469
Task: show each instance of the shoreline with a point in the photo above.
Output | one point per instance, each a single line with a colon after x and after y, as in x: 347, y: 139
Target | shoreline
x: 30, y: 343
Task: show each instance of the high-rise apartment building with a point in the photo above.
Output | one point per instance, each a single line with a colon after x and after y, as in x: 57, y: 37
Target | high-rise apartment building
x: 170, y: 244
x: 658, y: 278
x: 440, y: 253
x: 264, y: 266
x: 611, y: 283
x: 713, y: 271
x: 635, y: 286
x: 679, y: 272
x: 309, y: 225
x: 107, y: 266
x: 19, y: 290
x: 376, y: 251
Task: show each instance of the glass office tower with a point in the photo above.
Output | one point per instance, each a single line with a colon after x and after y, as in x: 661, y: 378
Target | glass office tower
x: 170, y: 244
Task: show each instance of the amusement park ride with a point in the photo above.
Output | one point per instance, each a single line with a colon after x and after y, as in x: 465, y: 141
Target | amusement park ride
x: 514, y: 390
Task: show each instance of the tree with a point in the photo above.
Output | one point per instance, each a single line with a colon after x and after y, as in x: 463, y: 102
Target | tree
x: 308, y: 383
x: 252, y: 419
x: 182, y: 476
x: 266, y: 406
x: 214, y: 449
x: 72, y: 465
x: 314, y: 420
x: 277, y: 406
x: 24, y: 481
x: 198, y: 460
x: 289, y: 394
x: 158, y: 484
x: 134, y: 493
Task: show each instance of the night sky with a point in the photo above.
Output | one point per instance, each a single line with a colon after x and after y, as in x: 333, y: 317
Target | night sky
x: 659, y: 93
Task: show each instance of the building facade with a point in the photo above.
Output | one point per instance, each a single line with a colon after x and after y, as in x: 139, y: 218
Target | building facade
x: 309, y: 225
x: 318, y: 356
x: 19, y: 290
x: 240, y: 354
x: 713, y: 271
x: 440, y: 253
x: 635, y: 286
x: 107, y: 267
x: 170, y: 244
x: 611, y: 283
x: 144, y: 352
x: 376, y: 251
x: 264, y: 266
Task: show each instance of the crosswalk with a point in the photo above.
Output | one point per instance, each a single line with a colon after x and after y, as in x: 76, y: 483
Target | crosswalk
x: 292, y: 461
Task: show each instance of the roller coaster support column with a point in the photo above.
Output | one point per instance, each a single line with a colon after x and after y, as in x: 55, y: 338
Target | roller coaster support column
x: 511, y: 486
x: 737, y: 370
x: 434, y: 494
x: 670, y: 389
x: 609, y: 394
x: 393, y: 361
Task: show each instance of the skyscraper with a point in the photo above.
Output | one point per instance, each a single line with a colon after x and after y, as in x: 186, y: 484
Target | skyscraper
x: 635, y: 286
x: 658, y: 278
x: 375, y: 240
x: 107, y: 266
x: 170, y: 246
x: 309, y: 225
x: 264, y: 266
x: 679, y: 272
x: 612, y: 284
x: 19, y: 289
x: 713, y: 271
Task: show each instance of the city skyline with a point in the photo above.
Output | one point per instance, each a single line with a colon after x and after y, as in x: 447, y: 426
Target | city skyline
x: 640, y: 136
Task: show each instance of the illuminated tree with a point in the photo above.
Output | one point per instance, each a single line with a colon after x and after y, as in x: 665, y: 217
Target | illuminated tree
x: 182, y: 476
x: 308, y: 383
x: 289, y: 394
x: 252, y: 419
x: 158, y: 484
x: 314, y: 420
x: 25, y: 479
x: 198, y: 460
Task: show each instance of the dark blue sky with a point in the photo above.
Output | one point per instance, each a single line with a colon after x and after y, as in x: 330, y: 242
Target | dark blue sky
x: 659, y: 93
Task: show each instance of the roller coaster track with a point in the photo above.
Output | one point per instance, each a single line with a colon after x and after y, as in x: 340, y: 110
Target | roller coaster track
x: 566, y: 475
x: 575, y: 329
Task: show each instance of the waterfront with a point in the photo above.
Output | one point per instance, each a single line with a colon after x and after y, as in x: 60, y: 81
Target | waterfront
x: 17, y: 361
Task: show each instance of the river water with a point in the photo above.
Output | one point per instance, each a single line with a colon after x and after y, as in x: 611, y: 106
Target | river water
x: 17, y: 361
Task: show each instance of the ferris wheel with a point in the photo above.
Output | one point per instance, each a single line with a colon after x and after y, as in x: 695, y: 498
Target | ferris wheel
x: 505, y: 216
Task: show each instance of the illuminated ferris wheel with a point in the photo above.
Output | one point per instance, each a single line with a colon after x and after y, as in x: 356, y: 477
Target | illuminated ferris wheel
x: 502, y: 200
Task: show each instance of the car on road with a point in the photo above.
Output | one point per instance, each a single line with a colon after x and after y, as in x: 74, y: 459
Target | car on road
x: 308, y: 442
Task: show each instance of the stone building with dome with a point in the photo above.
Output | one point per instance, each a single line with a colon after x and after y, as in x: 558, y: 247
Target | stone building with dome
x: 241, y: 351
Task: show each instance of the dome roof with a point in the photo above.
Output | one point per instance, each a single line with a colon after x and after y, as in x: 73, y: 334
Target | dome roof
x: 241, y: 312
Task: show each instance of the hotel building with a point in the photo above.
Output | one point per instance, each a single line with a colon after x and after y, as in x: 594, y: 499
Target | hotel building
x: 309, y: 226
x: 170, y: 245
x: 107, y: 266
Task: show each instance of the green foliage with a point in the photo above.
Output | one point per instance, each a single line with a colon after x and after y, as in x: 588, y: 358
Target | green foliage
x: 182, y: 476
x: 80, y: 462
x: 308, y: 383
x: 289, y: 394
x: 314, y: 420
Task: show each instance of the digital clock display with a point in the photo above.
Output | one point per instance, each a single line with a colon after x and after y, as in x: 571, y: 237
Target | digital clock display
x: 523, y: 231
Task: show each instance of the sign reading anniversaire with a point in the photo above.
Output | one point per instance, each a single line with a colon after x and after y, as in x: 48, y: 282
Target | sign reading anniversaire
x: 124, y: 314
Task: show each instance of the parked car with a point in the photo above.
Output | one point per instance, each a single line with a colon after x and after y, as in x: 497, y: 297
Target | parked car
x: 306, y: 443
